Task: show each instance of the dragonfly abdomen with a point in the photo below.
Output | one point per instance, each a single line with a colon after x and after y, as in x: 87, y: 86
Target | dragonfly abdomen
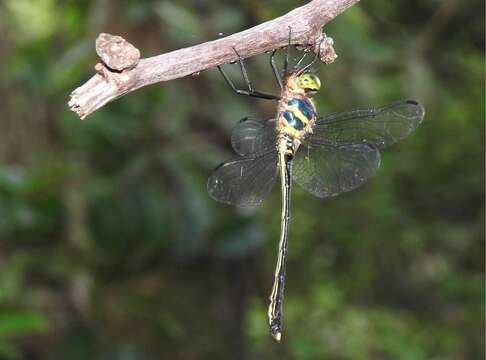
x: 286, y: 146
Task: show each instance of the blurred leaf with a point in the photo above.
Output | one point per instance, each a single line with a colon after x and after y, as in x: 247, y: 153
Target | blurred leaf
x: 14, y: 323
x: 32, y: 20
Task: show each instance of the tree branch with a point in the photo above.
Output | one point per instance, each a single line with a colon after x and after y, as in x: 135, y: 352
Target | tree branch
x: 121, y: 71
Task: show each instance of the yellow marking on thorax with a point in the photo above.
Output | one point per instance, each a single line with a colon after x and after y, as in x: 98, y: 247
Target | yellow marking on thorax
x: 282, y: 125
x: 284, y: 128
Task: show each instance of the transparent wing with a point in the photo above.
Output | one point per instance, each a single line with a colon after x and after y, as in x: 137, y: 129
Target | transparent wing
x: 253, y: 137
x: 327, y: 169
x: 244, y: 181
x: 382, y: 126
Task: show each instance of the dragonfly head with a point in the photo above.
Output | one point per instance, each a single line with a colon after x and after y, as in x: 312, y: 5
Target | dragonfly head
x: 309, y: 82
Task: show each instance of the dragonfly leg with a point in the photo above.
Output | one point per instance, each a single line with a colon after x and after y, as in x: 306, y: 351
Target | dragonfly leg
x: 244, y: 72
x: 316, y: 56
x: 250, y: 90
x: 300, y: 61
x: 287, y: 53
x: 275, y: 69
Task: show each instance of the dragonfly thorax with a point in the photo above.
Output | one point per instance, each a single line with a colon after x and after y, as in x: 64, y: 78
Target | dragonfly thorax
x: 296, y: 116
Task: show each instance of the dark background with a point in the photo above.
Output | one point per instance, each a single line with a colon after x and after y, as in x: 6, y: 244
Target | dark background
x: 110, y: 247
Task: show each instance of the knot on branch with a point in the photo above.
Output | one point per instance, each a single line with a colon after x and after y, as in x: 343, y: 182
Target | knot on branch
x: 116, y: 53
x: 327, y: 54
x: 322, y: 44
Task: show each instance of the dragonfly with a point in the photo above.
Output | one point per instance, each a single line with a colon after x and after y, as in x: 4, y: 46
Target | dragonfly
x: 326, y: 155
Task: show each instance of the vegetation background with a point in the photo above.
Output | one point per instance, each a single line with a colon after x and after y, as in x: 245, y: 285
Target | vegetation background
x: 110, y: 247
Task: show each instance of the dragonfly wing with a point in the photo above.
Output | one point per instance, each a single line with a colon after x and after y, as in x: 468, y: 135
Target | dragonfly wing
x: 252, y: 137
x: 244, y: 181
x: 327, y: 169
x: 382, y: 126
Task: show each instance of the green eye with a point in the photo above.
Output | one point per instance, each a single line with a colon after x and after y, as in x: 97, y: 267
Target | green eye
x: 309, y: 82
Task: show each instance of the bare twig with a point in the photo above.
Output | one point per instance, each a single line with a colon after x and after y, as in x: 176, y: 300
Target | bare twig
x: 112, y: 82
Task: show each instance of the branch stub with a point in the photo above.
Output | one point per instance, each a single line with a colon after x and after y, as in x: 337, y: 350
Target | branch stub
x: 116, y: 53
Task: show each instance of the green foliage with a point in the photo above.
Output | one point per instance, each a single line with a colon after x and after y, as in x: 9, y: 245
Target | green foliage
x: 111, y: 248
x: 14, y: 324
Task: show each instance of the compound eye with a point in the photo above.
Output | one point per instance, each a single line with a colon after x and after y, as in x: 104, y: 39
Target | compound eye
x: 314, y: 83
x: 309, y: 82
